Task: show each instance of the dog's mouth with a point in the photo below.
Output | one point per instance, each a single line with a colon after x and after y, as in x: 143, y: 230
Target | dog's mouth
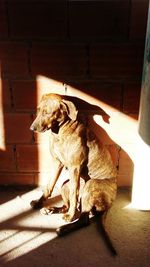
x: 53, y: 125
x: 38, y: 129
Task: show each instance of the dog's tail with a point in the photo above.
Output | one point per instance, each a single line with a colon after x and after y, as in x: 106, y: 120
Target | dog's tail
x: 101, y: 224
x: 83, y: 221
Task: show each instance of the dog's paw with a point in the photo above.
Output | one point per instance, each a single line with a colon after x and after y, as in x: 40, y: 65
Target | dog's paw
x: 68, y: 217
x: 46, y: 211
x: 36, y: 204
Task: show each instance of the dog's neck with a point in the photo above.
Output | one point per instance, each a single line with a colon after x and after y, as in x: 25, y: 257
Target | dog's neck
x: 58, y: 125
x: 55, y: 129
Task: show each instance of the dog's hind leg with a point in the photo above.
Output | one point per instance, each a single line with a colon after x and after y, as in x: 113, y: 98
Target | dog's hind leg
x: 98, y: 193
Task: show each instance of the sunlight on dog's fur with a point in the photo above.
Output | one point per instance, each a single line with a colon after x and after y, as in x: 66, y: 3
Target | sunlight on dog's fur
x: 75, y: 147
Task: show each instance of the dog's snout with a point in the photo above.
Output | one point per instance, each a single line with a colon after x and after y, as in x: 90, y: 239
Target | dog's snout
x: 32, y: 128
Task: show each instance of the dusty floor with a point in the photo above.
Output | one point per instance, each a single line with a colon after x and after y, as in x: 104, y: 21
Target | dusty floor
x: 28, y: 238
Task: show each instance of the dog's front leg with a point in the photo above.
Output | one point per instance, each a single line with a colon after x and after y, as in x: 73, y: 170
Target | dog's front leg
x: 74, y: 173
x: 38, y: 203
x: 57, y: 168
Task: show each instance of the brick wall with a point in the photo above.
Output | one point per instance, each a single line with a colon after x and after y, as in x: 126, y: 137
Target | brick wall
x: 89, y: 49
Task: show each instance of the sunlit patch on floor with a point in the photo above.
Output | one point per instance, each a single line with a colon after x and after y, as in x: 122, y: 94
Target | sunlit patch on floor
x: 23, y: 229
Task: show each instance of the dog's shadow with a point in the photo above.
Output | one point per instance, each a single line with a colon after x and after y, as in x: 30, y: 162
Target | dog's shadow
x: 87, y: 109
x: 87, y: 112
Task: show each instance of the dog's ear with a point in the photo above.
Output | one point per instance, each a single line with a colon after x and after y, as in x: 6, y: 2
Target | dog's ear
x: 70, y: 109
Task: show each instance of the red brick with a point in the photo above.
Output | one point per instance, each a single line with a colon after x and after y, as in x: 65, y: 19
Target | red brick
x: 3, y: 23
x: 27, y: 94
x: 7, y: 162
x: 27, y: 158
x: 134, y: 116
x: 58, y: 61
x: 24, y: 95
x: 114, y: 60
x: 131, y: 100
x: 6, y: 95
x: 14, y: 59
x: 2, y: 132
x: 7, y: 103
x: 33, y: 158
x: 17, y: 128
x: 110, y: 93
x: 139, y: 12
x: 17, y: 179
x: 125, y: 174
x: 98, y: 19
x: 32, y: 20
x: 125, y: 180
x: 46, y: 85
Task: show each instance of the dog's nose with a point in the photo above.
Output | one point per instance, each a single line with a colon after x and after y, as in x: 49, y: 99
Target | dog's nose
x: 32, y: 128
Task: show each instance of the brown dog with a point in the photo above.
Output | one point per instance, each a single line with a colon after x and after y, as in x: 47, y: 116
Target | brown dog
x: 74, y: 146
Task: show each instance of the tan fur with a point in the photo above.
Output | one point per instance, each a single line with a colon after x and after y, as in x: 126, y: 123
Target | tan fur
x: 74, y: 146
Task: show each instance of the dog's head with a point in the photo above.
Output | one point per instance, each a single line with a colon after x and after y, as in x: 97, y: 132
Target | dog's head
x: 52, y: 112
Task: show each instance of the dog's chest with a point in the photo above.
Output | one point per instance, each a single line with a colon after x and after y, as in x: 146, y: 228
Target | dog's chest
x: 69, y: 149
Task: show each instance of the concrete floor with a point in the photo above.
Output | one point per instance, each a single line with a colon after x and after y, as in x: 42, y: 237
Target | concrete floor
x: 28, y: 238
